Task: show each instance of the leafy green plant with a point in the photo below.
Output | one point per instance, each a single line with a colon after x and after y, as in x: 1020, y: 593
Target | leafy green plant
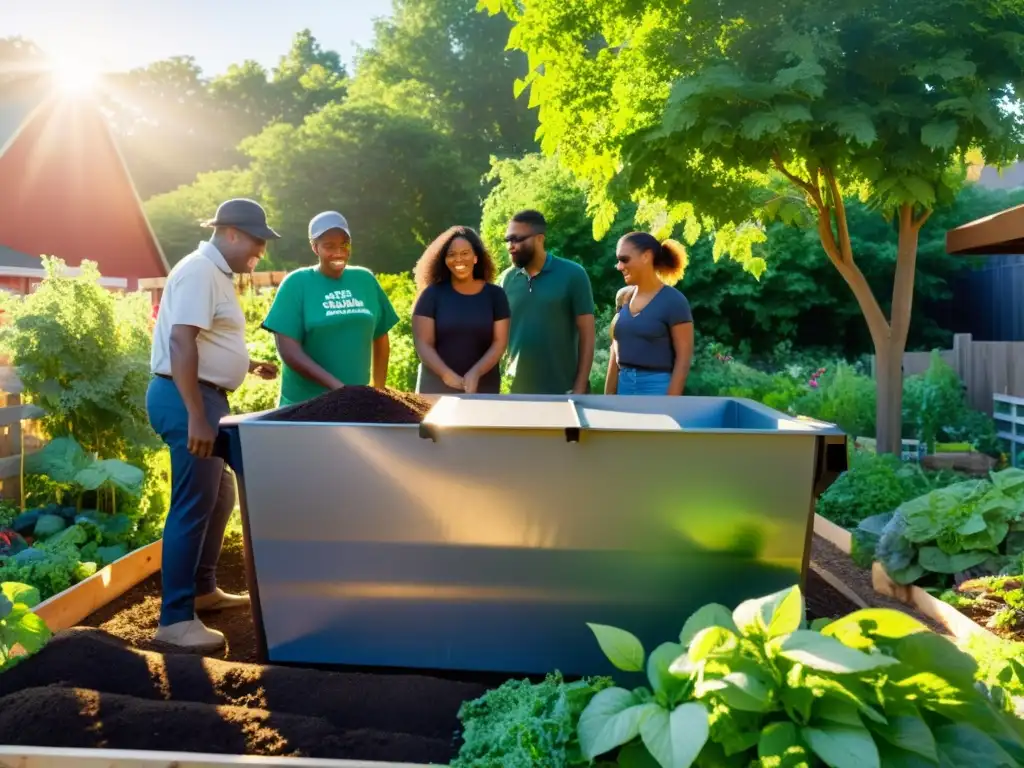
x: 64, y: 462
x: 21, y: 631
x: 523, y: 724
x: 757, y: 686
x: 875, y: 484
x: 994, y: 601
x: 968, y: 525
x: 82, y: 354
x: 1000, y: 668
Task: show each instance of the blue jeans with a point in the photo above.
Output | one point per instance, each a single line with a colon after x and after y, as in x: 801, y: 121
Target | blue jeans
x: 202, y: 499
x: 634, y: 381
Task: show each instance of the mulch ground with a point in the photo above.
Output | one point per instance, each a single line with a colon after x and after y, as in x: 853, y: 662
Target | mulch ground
x: 105, y: 685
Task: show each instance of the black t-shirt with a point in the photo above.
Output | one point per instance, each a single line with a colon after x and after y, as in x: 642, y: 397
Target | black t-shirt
x: 463, y: 332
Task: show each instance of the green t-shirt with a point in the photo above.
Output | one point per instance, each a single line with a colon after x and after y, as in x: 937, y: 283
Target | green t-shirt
x: 543, y: 342
x: 335, y: 321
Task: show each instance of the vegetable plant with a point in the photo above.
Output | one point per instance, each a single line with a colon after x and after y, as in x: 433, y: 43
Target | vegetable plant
x: 21, y: 631
x: 523, y: 724
x: 973, y: 524
x: 757, y: 687
x: 65, y: 462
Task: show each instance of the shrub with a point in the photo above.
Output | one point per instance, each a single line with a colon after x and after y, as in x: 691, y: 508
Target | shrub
x: 82, y: 353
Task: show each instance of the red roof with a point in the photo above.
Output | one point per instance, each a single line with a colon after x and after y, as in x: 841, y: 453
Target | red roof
x: 66, y: 191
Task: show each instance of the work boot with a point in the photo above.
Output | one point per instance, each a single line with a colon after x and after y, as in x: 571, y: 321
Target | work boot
x: 190, y: 635
x: 219, y: 600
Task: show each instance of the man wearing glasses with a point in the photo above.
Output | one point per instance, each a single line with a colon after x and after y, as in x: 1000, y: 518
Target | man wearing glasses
x: 199, y: 356
x: 551, y: 338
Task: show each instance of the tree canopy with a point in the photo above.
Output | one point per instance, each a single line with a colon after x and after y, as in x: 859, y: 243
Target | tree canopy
x: 725, y: 116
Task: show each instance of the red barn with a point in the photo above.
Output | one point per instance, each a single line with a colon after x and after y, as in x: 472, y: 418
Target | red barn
x: 65, y: 192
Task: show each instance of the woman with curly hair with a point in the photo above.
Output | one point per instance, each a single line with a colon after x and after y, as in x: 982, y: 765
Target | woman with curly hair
x: 461, y: 319
x: 652, y: 330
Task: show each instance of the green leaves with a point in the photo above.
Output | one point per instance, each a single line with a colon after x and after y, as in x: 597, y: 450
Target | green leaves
x: 612, y: 718
x: 775, y: 615
x: 853, y: 124
x: 19, y: 627
x: 829, y: 655
x: 64, y: 461
x: 843, y: 747
x: 675, y: 739
x: 710, y: 615
x: 940, y: 135
x: 622, y: 648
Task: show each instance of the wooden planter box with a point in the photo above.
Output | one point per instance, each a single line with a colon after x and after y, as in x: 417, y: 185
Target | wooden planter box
x: 958, y: 625
x: 68, y: 608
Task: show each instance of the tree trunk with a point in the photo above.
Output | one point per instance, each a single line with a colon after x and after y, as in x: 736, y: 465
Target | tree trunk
x: 889, y: 354
x: 889, y: 405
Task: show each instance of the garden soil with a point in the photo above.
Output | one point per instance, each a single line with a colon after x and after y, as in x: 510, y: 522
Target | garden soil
x: 358, y: 405
x: 105, y: 685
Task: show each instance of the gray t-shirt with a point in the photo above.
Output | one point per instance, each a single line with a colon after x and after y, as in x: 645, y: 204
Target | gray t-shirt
x: 645, y: 341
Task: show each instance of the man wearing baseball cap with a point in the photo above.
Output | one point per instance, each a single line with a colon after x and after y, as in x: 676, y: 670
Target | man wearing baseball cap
x: 331, y: 320
x: 199, y: 356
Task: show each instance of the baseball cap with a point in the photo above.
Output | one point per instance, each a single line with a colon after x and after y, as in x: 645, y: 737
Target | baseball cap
x: 328, y: 220
x: 244, y: 214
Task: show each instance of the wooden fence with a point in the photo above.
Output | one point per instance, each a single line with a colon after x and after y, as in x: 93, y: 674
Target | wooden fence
x: 19, y: 436
x: 985, y: 368
x: 154, y: 286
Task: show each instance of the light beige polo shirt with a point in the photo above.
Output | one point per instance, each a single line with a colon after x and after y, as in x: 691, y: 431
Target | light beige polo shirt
x: 200, y: 291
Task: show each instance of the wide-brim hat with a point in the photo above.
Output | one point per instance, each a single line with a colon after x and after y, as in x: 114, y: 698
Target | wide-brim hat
x: 246, y: 215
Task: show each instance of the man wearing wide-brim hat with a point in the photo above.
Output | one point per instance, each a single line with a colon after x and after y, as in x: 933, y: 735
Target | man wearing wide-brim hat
x: 199, y: 356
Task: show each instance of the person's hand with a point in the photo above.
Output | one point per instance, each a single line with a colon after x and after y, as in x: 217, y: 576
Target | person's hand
x: 265, y: 371
x: 200, y: 437
x: 453, y: 380
x: 470, y: 382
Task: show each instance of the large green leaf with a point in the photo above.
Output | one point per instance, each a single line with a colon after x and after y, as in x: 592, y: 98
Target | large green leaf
x: 827, y: 654
x: 908, y: 733
x: 658, y: 663
x: 739, y: 690
x: 611, y: 719
x: 937, y: 561
x: 931, y: 652
x: 710, y: 615
x: 24, y: 628
x: 61, y: 460
x: 16, y: 593
x: 712, y: 641
x: 780, y: 746
x: 941, y: 135
x: 862, y: 628
x: 842, y: 746
x: 675, y: 740
x: 118, y: 473
x: 755, y: 615
x: 5, y: 606
x: 962, y: 744
x: 622, y: 648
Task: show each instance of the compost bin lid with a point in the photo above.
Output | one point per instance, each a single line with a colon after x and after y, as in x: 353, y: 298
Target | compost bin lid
x: 502, y: 413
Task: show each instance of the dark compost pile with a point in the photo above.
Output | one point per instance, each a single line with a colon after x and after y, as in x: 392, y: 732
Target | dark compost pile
x: 358, y: 405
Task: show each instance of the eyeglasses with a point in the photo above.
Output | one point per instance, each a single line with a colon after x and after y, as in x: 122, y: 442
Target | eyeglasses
x: 510, y: 239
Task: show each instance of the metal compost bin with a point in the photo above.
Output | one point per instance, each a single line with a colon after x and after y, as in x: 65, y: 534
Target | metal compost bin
x: 486, y: 538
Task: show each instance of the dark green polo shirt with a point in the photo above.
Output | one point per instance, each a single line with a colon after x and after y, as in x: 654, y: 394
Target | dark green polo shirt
x: 543, y: 343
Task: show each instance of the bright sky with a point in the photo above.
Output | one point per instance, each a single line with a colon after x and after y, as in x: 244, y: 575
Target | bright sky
x: 121, y: 34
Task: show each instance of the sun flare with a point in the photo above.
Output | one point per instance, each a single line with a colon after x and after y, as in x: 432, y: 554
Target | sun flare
x: 75, y: 76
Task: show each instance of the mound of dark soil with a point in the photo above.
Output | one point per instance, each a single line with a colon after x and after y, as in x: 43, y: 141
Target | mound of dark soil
x: 358, y: 405
x: 87, y: 689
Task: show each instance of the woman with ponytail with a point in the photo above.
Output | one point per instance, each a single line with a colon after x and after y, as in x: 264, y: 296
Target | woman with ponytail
x: 652, y: 331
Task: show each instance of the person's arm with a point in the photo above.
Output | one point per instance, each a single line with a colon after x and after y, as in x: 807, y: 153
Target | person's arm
x: 381, y: 356
x: 185, y: 372
x: 682, y: 342
x: 296, y: 358
x: 491, y: 356
x: 611, y: 382
x: 583, y: 310
x: 426, y: 348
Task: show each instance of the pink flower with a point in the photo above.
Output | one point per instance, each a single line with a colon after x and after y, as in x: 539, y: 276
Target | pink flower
x: 813, y: 383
